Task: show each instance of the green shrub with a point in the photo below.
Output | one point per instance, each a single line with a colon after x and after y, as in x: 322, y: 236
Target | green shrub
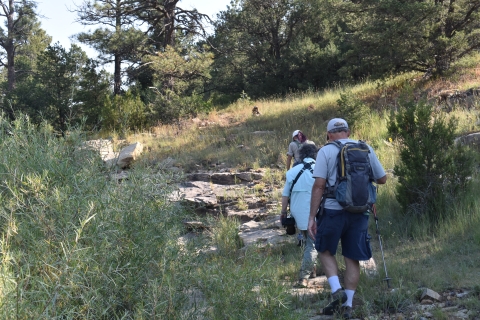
x: 225, y: 235
x: 352, y: 109
x: 171, y: 107
x: 433, y: 170
x: 123, y: 113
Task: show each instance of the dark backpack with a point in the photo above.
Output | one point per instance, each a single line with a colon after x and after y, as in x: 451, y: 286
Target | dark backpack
x: 354, y: 189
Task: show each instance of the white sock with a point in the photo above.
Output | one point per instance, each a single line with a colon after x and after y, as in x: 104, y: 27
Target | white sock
x: 349, y: 301
x: 334, y: 283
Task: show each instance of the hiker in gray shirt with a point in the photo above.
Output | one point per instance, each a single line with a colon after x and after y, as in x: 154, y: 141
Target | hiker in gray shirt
x: 337, y: 224
x: 298, y: 140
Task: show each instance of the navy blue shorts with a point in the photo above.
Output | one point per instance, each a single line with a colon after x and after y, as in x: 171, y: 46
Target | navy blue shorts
x: 351, y: 228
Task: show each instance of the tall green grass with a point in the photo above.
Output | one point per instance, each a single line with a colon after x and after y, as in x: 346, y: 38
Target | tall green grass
x: 78, y: 245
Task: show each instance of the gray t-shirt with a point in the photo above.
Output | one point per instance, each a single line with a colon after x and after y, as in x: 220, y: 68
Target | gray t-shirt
x: 326, y: 166
x: 294, y: 149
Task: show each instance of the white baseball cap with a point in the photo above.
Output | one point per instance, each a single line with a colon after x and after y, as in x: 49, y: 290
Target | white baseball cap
x: 295, y: 133
x: 337, y: 123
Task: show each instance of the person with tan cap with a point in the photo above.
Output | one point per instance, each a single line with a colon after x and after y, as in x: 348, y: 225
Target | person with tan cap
x: 336, y: 223
x: 298, y: 140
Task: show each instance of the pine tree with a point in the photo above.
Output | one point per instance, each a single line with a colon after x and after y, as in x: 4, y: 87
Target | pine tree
x: 119, y: 39
x: 20, y: 19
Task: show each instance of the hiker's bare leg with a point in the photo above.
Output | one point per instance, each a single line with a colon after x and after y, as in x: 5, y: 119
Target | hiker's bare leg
x: 352, y: 273
x: 329, y: 264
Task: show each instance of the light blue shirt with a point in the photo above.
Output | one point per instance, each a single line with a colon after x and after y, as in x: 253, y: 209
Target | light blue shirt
x: 301, y: 193
x: 326, y: 166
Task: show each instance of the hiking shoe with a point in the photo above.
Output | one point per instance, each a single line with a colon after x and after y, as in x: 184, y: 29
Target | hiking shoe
x: 302, y: 283
x: 346, y: 312
x: 338, y: 298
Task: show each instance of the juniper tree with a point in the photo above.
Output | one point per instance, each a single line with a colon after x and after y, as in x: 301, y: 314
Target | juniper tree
x: 433, y: 170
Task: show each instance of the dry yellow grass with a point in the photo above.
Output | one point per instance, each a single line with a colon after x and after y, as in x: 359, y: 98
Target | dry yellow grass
x: 233, y: 136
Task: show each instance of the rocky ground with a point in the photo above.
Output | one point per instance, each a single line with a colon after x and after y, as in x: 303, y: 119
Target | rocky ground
x: 235, y: 195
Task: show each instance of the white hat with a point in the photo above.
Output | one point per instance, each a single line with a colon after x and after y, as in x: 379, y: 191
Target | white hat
x: 295, y: 133
x: 337, y: 123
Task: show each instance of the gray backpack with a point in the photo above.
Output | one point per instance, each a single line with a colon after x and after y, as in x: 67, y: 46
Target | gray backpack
x: 354, y: 189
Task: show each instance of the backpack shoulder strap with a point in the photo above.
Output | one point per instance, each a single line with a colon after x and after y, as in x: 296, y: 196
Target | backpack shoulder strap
x: 306, y: 166
x: 330, y: 190
x: 336, y: 143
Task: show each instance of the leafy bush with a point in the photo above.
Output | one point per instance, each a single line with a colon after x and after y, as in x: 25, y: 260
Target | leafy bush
x: 225, y: 236
x: 433, y: 170
x: 352, y: 109
x: 172, y: 107
x: 123, y: 113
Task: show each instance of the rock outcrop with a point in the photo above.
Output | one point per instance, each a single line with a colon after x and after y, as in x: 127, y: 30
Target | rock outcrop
x: 472, y: 140
x: 120, y: 160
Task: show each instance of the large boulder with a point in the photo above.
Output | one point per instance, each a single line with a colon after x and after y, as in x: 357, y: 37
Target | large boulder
x: 122, y: 159
x: 126, y: 156
x: 103, y: 146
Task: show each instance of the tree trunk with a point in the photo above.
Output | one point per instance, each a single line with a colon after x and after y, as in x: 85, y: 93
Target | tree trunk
x: 169, y: 40
x: 10, y: 47
x: 169, y: 23
x: 117, y: 71
x: 117, y: 75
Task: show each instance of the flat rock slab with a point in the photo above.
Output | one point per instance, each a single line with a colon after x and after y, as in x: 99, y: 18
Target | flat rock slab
x: 248, y: 215
x: 264, y: 238
x: 226, y: 178
x: 264, y: 233
x: 227, y: 192
x: 206, y: 196
x: 196, y: 192
x: 272, y: 222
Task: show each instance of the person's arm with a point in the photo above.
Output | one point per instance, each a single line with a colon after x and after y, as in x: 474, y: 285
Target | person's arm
x: 283, y: 214
x: 317, y: 192
x: 382, y: 180
x: 377, y: 168
x: 289, y: 161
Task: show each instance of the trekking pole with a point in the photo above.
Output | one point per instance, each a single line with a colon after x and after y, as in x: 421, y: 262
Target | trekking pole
x: 374, y: 209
